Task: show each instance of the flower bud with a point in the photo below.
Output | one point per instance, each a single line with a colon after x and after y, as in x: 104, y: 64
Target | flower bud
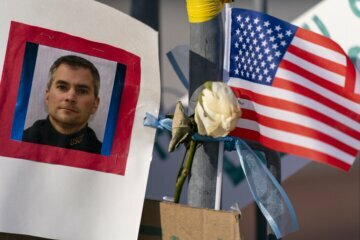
x: 217, y: 110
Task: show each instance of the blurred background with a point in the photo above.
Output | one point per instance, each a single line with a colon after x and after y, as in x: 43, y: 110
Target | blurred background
x: 326, y: 200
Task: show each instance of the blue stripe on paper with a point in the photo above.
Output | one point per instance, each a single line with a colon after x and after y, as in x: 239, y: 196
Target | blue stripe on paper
x: 22, y: 101
x: 113, y: 110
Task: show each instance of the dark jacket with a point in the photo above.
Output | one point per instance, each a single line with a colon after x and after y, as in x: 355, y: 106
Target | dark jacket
x: 42, y: 132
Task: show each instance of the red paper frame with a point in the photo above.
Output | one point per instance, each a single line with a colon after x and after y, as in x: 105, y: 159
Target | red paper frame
x: 115, y: 163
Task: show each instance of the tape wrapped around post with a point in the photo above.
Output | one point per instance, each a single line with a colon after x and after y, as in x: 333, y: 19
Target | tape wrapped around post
x: 204, y: 10
x: 267, y: 192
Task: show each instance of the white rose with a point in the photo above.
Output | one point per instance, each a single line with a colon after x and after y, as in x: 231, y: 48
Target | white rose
x: 217, y: 110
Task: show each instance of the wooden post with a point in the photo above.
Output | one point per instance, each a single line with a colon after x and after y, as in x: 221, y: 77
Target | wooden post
x: 206, y: 64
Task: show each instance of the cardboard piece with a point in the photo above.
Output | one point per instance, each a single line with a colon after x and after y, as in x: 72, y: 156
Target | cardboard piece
x: 165, y: 220
x: 170, y: 221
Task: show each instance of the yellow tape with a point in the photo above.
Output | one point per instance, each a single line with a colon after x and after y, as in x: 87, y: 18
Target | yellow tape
x: 204, y: 10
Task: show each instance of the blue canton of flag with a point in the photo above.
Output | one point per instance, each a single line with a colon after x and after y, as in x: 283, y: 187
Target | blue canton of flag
x: 258, y: 43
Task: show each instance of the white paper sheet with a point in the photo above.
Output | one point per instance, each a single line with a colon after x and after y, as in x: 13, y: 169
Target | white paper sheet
x: 61, y: 202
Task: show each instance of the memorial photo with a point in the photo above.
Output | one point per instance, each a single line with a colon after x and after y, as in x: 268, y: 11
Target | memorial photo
x: 71, y: 98
x: 71, y: 101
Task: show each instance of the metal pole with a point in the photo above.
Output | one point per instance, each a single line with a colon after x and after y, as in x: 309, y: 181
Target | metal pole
x: 260, y: 5
x: 206, y: 64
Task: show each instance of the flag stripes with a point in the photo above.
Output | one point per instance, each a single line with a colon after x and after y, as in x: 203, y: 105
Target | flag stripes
x: 285, y: 120
x: 247, y: 132
x: 289, y: 100
x: 324, y: 73
x: 324, y: 63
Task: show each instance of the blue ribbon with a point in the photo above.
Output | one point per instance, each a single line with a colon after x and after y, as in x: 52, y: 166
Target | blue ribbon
x: 267, y: 192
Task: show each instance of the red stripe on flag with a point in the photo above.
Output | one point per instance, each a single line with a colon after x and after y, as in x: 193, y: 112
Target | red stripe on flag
x: 319, y: 61
x: 246, y: 134
x: 297, y: 129
x: 350, y: 76
x: 318, y: 39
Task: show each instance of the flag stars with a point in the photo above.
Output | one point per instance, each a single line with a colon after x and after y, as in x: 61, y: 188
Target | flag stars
x: 264, y: 43
x: 251, y: 68
x: 250, y: 26
x: 269, y: 58
x: 255, y: 62
x: 283, y: 43
x: 266, y: 71
x: 252, y: 55
x: 247, y: 74
x: 277, y: 54
x: 258, y: 28
x: 257, y: 70
x: 256, y: 20
x: 238, y: 31
x: 261, y: 35
x: 272, y: 66
x: 240, y: 52
x: 241, y: 39
x: 253, y: 76
x: 267, y: 50
x: 247, y: 19
x: 245, y: 32
x: 252, y: 34
x: 272, y: 39
x: 238, y: 18
x: 288, y: 33
x: 278, y: 28
x: 257, y: 49
x: 243, y: 59
x: 260, y: 56
x: 268, y: 79
x: 267, y: 24
x: 247, y: 53
x: 260, y: 77
x: 236, y: 58
x: 237, y: 71
x: 255, y: 41
x: 274, y: 46
x: 247, y: 40
x: 280, y: 36
x: 263, y: 64
x: 242, y: 25
x: 250, y: 47
x: 248, y: 61
x: 236, y: 45
x: 244, y: 46
x: 269, y: 31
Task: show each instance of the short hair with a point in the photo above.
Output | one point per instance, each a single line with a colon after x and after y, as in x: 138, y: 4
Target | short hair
x: 76, y: 61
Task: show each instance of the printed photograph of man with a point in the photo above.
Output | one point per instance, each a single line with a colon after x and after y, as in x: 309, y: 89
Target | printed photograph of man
x: 71, y: 98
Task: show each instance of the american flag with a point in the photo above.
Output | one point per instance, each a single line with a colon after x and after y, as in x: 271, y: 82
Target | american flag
x: 298, y: 90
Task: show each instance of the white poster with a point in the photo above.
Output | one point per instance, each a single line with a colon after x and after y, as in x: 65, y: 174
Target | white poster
x: 76, y: 84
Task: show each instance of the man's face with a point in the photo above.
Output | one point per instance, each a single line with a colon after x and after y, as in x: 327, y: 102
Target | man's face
x: 70, y: 100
